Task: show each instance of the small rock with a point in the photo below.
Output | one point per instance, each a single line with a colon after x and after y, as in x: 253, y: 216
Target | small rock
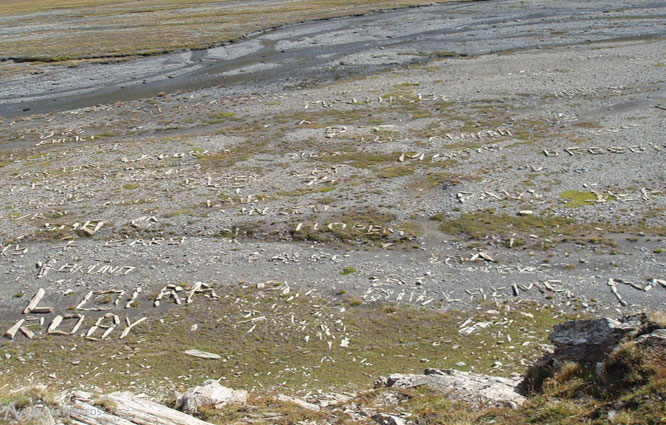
x: 297, y: 401
x: 386, y: 419
x: 202, y: 354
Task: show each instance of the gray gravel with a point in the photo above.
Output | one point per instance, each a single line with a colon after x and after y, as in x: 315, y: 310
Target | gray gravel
x: 148, y: 159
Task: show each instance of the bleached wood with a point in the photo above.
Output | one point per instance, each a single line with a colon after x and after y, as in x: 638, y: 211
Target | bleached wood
x: 34, y: 301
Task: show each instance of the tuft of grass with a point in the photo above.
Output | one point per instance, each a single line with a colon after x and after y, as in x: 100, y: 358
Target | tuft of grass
x: 282, y: 412
x: 355, y: 301
x: 411, y: 228
x: 27, y: 396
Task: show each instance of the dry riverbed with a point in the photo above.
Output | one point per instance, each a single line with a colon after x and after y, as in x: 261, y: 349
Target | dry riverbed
x: 434, y: 214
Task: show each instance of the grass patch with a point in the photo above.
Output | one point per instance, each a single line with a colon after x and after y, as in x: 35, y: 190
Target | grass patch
x: 355, y: 230
x: 348, y: 270
x: 161, y: 25
x: 26, y: 396
x: 397, y: 171
x: 482, y: 224
x: 275, y: 354
x: 280, y: 412
x: 434, y: 180
x: 535, y: 231
x: 223, y: 159
x: 577, y: 198
x: 411, y: 228
x: 588, y: 124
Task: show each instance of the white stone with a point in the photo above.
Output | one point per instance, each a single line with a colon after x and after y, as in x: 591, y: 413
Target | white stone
x: 211, y: 393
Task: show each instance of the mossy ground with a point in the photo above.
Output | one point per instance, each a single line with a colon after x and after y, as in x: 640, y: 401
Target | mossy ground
x: 395, y: 339
x: 535, y: 231
x: 261, y: 336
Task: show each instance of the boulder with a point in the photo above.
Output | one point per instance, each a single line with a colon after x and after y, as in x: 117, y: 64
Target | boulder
x: 590, y: 341
x: 473, y: 388
x: 211, y: 393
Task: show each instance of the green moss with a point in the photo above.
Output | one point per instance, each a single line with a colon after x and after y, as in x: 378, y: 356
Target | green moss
x: 577, y: 198
x: 221, y: 115
x: 348, y: 270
